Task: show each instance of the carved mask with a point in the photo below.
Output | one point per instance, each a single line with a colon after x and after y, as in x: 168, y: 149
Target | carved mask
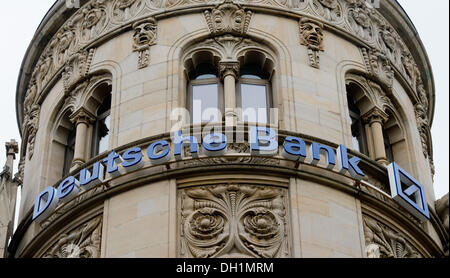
x: 145, y: 33
x: 311, y: 34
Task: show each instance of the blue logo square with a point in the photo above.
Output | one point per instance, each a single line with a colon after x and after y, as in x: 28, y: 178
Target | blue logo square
x: 408, y: 192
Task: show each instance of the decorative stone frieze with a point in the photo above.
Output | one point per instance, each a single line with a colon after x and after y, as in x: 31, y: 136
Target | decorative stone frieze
x: 82, y: 242
x: 311, y: 36
x: 383, y: 242
x: 98, y: 18
x: 145, y: 35
x: 233, y: 220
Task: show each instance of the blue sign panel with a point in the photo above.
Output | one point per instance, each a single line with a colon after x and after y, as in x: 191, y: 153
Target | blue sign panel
x: 408, y: 192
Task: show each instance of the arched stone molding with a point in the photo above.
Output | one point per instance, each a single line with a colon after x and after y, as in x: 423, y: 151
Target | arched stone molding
x: 257, y: 40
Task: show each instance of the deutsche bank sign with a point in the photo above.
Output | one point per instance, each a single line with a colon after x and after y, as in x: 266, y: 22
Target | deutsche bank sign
x: 263, y: 142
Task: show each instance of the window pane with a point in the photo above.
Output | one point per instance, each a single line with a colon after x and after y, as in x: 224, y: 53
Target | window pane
x: 205, y: 100
x: 103, y: 143
x: 254, y: 103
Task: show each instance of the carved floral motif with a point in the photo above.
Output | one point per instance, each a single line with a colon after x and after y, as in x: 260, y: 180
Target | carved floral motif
x: 384, y: 242
x: 82, y: 242
x: 233, y: 221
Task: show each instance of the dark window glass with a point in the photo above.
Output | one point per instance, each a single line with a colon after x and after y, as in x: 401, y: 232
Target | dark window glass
x: 102, y: 127
x: 69, y: 152
x: 388, y: 147
x: 357, y: 126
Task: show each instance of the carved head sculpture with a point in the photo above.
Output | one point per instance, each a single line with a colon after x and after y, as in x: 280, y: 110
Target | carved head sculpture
x: 388, y: 38
x: 65, y: 39
x: 360, y: 14
x: 330, y: 4
x: 311, y: 33
x: 145, y: 33
x: 92, y: 17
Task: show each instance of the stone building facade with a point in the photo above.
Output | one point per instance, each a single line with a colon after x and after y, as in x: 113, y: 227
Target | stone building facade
x: 110, y: 74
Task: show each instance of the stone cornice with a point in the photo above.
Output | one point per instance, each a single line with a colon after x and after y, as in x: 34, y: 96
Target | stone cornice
x: 72, y: 19
x: 96, y: 196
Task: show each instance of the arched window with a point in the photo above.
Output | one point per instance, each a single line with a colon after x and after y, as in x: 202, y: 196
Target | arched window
x: 357, y: 124
x: 254, y: 94
x: 102, y: 127
x: 69, y: 152
x: 205, y: 94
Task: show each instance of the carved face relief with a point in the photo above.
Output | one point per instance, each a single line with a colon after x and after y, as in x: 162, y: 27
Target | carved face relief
x: 361, y: 17
x: 311, y: 34
x: 388, y: 38
x: 145, y: 34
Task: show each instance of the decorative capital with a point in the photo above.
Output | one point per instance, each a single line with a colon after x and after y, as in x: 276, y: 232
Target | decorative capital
x: 375, y: 115
x: 82, y: 116
x: 229, y: 68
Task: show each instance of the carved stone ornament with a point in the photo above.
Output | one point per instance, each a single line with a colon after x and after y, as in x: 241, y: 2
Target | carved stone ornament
x: 311, y: 35
x: 77, y: 68
x: 228, y: 18
x: 31, y: 126
x: 229, y: 68
x: 360, y: 20
x: 375, y: 115
x: 384, y: 242
x: 378, y: 66
x: 233, y: 221
x: 145, y: 35
x: 82, y: 242
x: 328, y: 9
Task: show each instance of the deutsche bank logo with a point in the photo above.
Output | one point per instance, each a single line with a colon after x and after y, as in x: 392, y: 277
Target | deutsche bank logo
x: 408, y: 192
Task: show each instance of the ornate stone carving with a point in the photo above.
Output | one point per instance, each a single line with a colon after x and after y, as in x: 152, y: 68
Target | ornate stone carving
x: 311, y: 35
x: 229, y: 67
x: 360, y: 20
x: 31, y: 126
x: 145, y: 35
x: 228, y: 18
x: 82, y: 116
x: 233, y: 221
x: 375, y: 115
x: 378, y: 66
x: 422, y: 125
x: 77, y: 68
x: 81, y: 242
x: 328, y: 9
x: 124, y: 10
x: 94, y: 21
x: 442, y: 211
x: 384, y: 242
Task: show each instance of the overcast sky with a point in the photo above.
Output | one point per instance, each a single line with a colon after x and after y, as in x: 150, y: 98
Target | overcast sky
x: 21, y: 18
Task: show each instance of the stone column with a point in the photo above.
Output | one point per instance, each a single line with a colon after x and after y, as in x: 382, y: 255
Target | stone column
x: 8, y: 194
x: 229, y: 72
x: 376, y: 118
x: 82, y: 119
